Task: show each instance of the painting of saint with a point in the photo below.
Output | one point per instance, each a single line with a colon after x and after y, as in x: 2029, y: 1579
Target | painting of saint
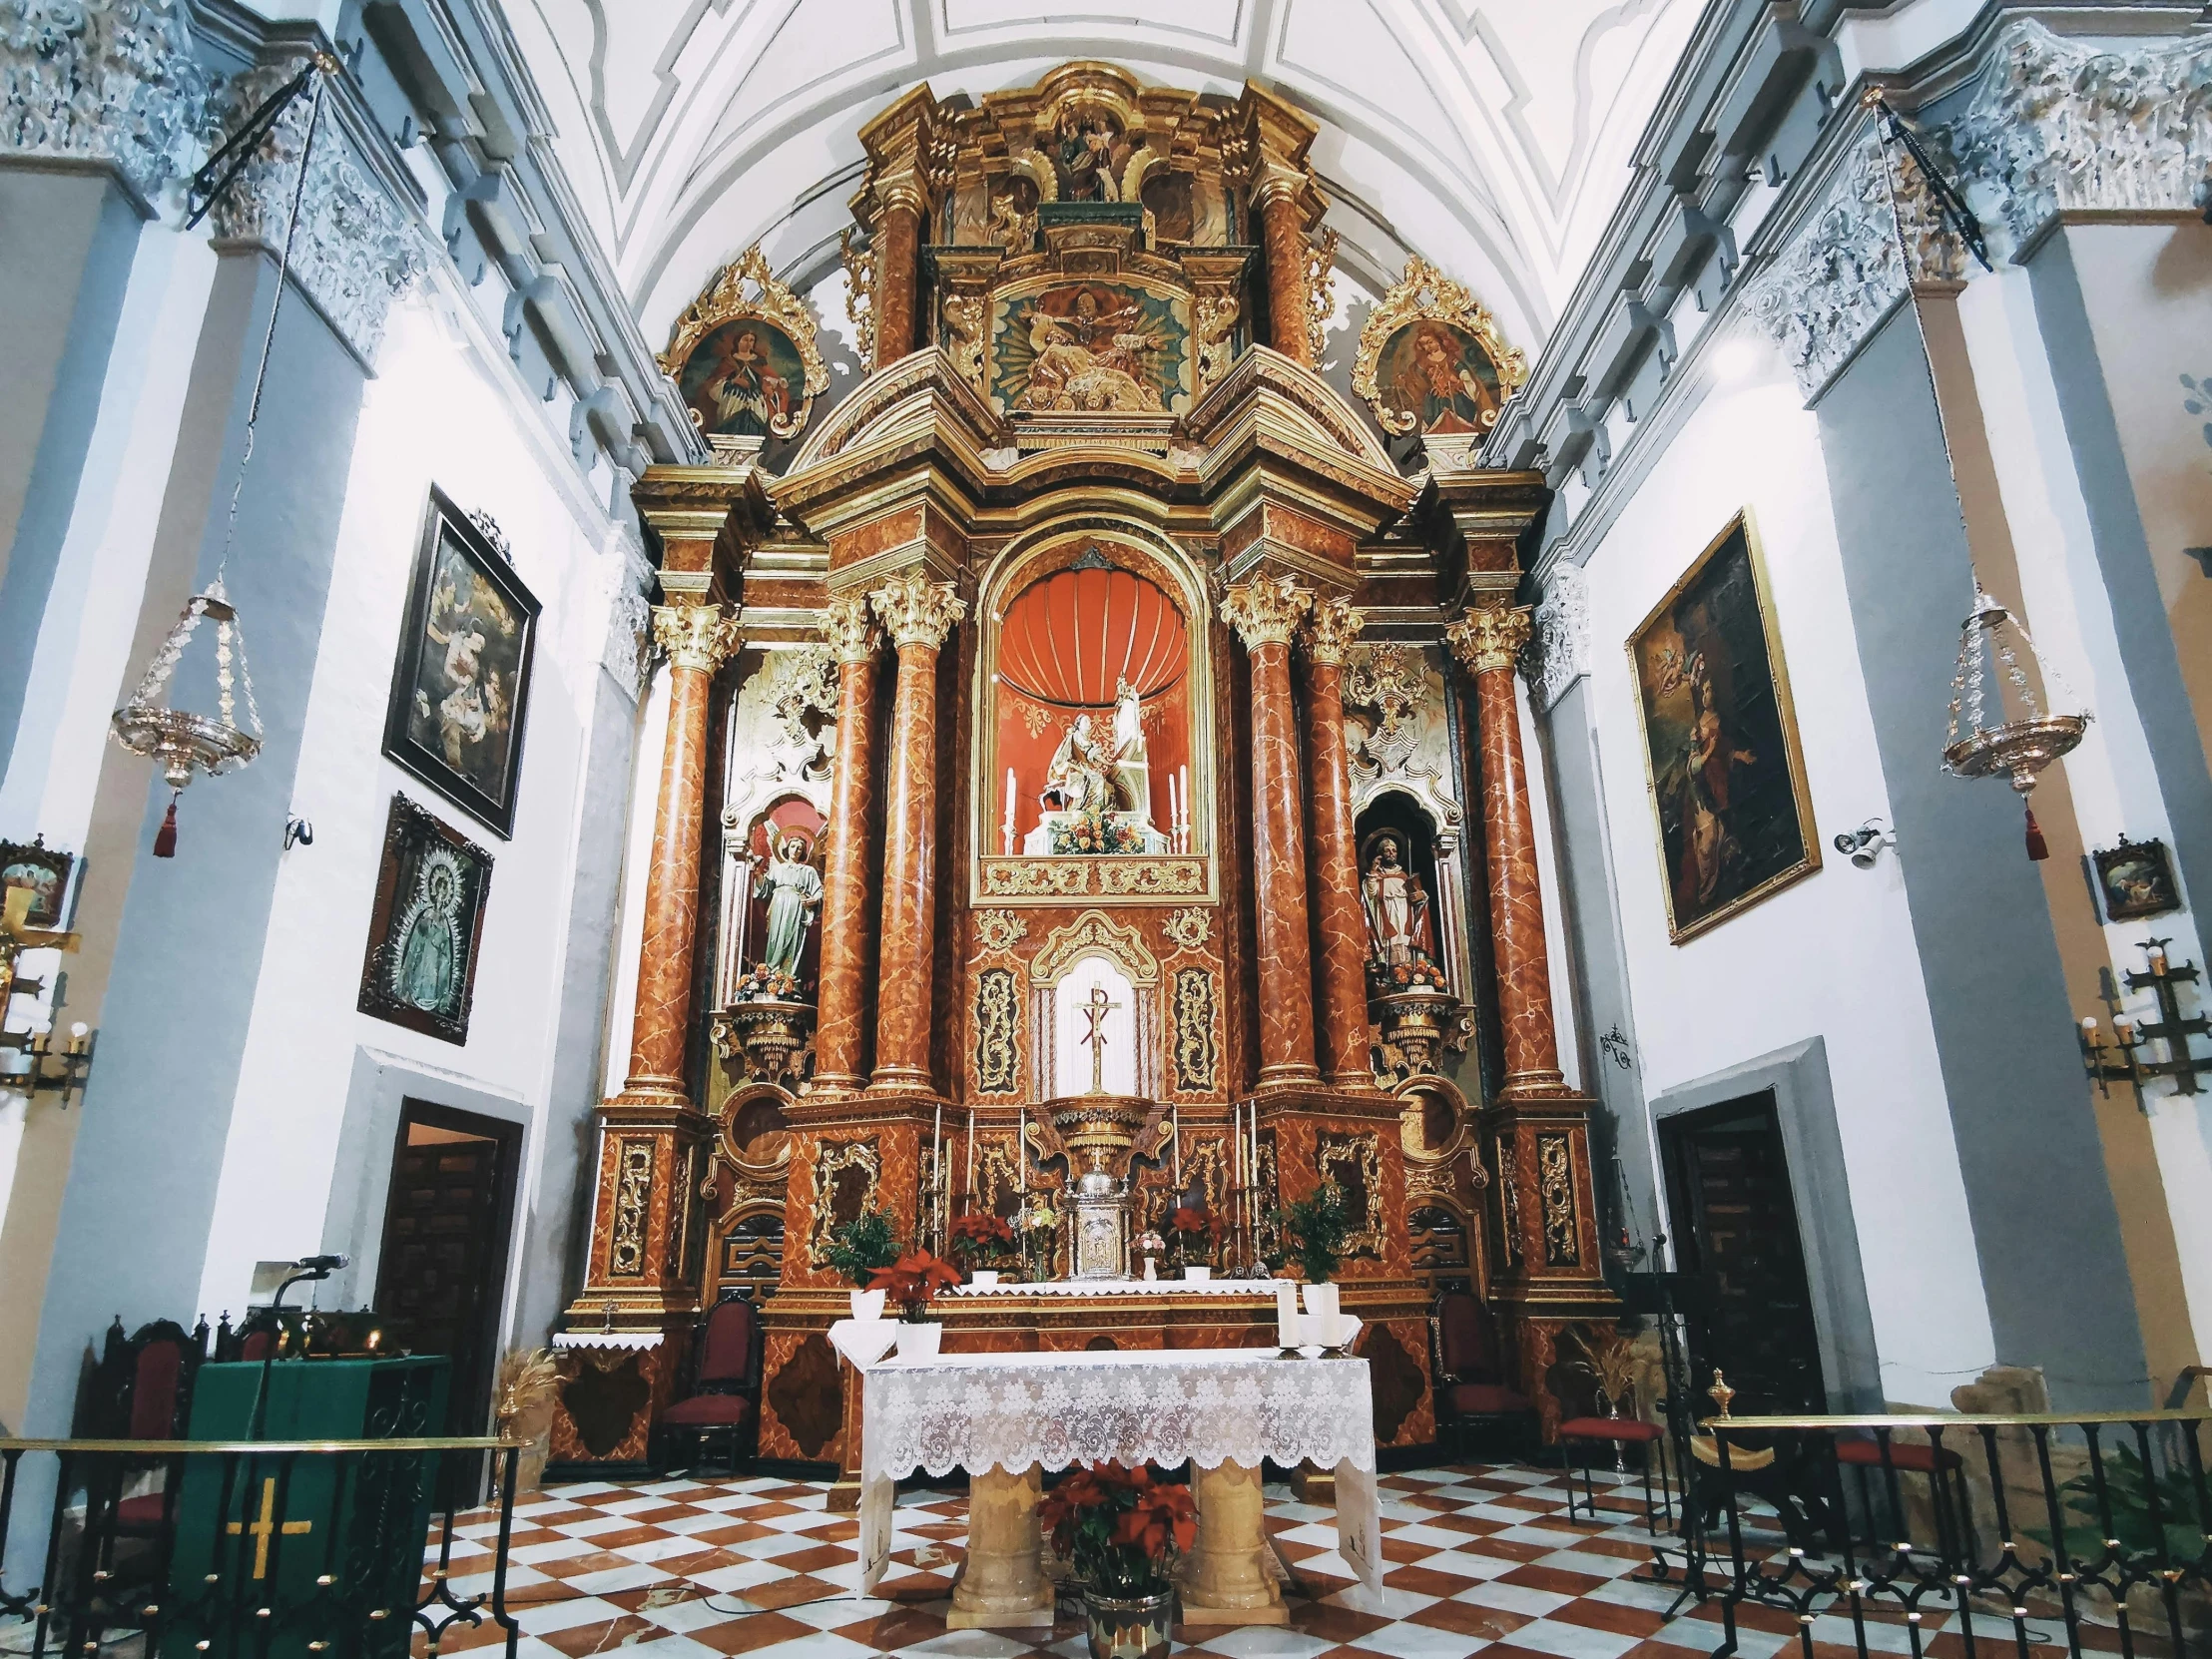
x: 1439, y: 378
x: 43, y: 872
x: 425, y: 926
x: 1090, y: 349
x: 744, y: 379
x: 1727, y: 777
x: 2136, y: 878
x: 461, y: 684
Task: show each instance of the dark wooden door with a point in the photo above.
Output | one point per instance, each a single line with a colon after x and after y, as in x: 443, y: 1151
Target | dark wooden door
x: 1735, y: 1229
x: 442, y: 1277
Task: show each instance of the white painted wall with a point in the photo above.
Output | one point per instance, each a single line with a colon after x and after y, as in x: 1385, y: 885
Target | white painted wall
x: 1832, y: 956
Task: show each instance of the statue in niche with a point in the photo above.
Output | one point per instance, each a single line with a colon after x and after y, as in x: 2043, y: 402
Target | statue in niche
x: 1080, y: 776
x: 793, y: 890
x: 1397, y: 908
x: 1088, y: 154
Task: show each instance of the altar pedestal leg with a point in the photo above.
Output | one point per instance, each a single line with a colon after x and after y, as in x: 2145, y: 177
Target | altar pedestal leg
x: 1002, y: 1585
x: 1225, y: 1577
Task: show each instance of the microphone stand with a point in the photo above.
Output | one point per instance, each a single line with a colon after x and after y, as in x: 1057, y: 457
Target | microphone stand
x: 313, y: 1269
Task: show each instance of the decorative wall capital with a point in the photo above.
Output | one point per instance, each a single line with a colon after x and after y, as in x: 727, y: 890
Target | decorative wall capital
x: 850, y: 626
x: 356, y: 249
x: 113, y: 82
x: 1329, y: 630
x: 2056, y: 125
x: 1491, y: 637
x: 696, y: 636
x: 916, y: 610
x: 1266, y: 611
x: 1559, y: 653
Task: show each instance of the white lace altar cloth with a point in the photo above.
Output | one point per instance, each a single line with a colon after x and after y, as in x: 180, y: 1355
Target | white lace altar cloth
x: 1212, y: 1405
x: 1127, y: 1287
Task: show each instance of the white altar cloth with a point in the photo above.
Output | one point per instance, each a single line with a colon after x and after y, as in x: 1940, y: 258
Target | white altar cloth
x: 1213, y: 1405
x: 1127, y: 1287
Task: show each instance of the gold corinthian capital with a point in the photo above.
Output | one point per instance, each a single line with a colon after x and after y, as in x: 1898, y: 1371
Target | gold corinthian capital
x: 850, y: 626
x: 1266, y: 611
x: 1329, y: 631
x: 1489, y: 636
x: 916, y: 610
x: 696, y: 636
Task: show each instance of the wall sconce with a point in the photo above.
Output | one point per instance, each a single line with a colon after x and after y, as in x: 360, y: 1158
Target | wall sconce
x: 1863, y: 844
x: 61, y: 1070
x: 2107, y: 1062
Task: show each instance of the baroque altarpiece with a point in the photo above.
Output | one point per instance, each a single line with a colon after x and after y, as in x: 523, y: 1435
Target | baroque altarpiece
x: 1092, y: 789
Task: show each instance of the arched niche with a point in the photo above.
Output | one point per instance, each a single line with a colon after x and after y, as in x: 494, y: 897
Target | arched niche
x: 1430, y: 847
x: 1094, y: 950
x: 780, y: 757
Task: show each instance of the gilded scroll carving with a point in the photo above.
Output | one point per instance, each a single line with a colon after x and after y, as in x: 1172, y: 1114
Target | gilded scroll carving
x: 847, y: 1176
x: 1508, y: 1195
x: 1355, y: 1164
x: 1555, y: 1186
x: 633, y: 1199
x: 997, y: 1017
x: 1195, y: 1052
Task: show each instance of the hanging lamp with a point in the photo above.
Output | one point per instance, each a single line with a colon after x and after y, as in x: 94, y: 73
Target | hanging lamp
x: 178, y: 739
x: 2022, y: 738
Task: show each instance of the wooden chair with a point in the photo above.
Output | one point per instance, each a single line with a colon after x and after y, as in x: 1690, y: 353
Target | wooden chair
x: 721, y: 1407
x: 1471, y: 1390
x: 142, y: 1390
x: 1588, y: 1432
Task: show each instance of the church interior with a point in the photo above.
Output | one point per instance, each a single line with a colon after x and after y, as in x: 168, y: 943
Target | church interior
x: 1300, y: 826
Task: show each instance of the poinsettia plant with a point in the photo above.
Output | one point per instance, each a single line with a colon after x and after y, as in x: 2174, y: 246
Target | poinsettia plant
x: 980, y: 1239
x: 913, y: 1281
x: 1121, y: 1528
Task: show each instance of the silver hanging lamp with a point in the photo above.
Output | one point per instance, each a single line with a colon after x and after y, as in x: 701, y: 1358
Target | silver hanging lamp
x: 2022, y: 739
x: 178, y: 739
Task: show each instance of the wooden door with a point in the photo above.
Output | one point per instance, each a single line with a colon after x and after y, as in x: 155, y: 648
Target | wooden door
x: 1735, y: 1228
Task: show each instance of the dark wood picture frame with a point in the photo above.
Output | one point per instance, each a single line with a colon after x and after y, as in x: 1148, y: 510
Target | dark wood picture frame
x: 50, y: 902
x: 395, y: 970
x: 2136, y: 879
x: 489, y: 704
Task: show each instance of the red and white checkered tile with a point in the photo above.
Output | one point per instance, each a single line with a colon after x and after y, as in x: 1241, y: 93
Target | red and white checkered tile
x: 1478, y: 1560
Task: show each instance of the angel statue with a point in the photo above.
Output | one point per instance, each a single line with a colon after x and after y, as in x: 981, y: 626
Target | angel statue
x: 794, y: 889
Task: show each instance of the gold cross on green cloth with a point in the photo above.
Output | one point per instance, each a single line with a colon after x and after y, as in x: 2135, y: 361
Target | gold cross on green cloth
x: 267, y: 1525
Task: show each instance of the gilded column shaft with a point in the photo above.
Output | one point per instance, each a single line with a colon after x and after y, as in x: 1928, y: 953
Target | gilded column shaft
x: 1341, y: 924
x: 847, y: 912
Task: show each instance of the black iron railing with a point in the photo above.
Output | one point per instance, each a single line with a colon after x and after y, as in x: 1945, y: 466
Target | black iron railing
x: 1963, y: 1534
x: 259, y: 1548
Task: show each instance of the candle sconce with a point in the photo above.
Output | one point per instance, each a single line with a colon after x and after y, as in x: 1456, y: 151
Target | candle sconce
x: 2117, y: 1059
x: 61, y: 1069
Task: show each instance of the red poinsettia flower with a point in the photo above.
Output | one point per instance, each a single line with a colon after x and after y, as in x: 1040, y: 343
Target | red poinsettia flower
x: 913, y: 1280
x: 1161, y: 1515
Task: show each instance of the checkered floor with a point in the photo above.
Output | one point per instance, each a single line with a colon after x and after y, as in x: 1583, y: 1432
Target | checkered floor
x: 1480, y: 1560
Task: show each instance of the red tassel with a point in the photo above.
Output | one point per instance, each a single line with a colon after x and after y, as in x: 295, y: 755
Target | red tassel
x: 164, y: 839
x: 2037, y: 848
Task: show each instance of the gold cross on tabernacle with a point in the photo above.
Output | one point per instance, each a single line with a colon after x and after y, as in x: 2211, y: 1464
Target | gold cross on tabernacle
x: 1096, y: 1010
x: 266, y: 1525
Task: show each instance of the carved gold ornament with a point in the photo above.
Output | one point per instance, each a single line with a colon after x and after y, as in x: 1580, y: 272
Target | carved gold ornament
x: 1266, y: 611
x: 859, y: 295
x: 1320, y: 292
x: 1189, y: 929
x: 743, y: 291
x: 696, y: 636
x: 916, y: 610
x: 850, y: 626
x: 1491, y: 637
x: 1000, y: 931
x: 1427, y: 294
x: 1329, y: 631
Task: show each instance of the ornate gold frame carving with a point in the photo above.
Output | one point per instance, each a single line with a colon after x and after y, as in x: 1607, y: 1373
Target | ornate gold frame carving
x: 1094, y: 932
x: 831, y: 1157
x: 1425, y: 291
x: 1366, y: 1150
x: 725, y: 300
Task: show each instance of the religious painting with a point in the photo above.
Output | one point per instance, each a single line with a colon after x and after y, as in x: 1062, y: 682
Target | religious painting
x: 1726, y: 774
x: 1089, y: 347
x: 1170, y: 207
x: 462, y: 686
x: 43, y: 872
x: 1432, y: 360
x: 425, y: 926
x: 744, y: 354
x: 2135, y: 878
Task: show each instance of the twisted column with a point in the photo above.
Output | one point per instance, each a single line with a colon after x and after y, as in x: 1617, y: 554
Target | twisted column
x: 1265, y: 612
x: 1341, y: 924
x: 1283, y: 245
x: 1488, y: 642
x: 840, y: 1032
x: 919, y: 614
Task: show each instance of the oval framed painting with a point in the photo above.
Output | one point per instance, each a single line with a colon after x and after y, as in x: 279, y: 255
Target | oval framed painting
x: 744, y: 356
x: 1432, y: 359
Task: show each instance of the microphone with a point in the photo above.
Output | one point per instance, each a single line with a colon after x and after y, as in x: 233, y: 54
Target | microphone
x: 322, y: 1264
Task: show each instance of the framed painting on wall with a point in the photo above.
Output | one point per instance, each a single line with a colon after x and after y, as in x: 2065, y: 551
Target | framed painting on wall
x: 425, y: 926
x: 462, y: 686
x: 2136, y: 879
x: 1722, y: 760
x: 44, y: 871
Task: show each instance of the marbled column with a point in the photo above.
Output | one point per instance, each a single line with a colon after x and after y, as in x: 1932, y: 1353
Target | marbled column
x: 1265, y: 612
x: 919, y: 614
x: 1488, y: 642
x: 698, y: 639
x: 845, y: 908
x: 897, y: 245
x: 1343, y: 925
x: 1283, y: 246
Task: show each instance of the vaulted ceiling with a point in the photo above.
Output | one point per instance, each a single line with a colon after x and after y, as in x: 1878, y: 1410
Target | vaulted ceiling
x: 1490, y: 136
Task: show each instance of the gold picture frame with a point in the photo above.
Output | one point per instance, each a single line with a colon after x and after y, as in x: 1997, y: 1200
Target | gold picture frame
x: 731, y: 387
x: 1723, y: 765
x: 1426, y: 308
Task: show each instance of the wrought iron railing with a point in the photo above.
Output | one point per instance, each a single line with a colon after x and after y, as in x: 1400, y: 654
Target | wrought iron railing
x: 1944, y: 1533
x: 264, y: 1548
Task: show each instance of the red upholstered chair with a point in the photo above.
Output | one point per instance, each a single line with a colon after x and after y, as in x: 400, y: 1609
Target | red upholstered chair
x: 147, y: 1384
x: 1471, y: 1390
x: 1883, y: 1463
x: 720, y: 1410
x: 1586, y: 1435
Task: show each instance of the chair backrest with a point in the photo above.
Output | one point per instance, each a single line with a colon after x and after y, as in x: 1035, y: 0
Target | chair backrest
x: 726, y: 1352
x: 1467, y: 1338
x: 256, y: 1344
x: 157, y: 1388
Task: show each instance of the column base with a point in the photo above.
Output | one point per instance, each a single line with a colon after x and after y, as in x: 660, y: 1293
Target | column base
x: 1225, y: 1579
x: 1305, y: 1078
x: 1357, y: 1082
x: 901, y: 1081
x: 1002, y: 1584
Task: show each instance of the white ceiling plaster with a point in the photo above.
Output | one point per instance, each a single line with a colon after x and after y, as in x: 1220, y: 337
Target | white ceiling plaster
x: 1491, y: 135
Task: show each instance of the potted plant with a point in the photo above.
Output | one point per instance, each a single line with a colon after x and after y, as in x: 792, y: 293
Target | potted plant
x: 1315, y: 1229
x: 861, y: 1247
x: 980, y: 1240
x: 910, y: 1284
x: 1197, y: 1235
x: 1121, y: 1530
x: 1150, y: 1247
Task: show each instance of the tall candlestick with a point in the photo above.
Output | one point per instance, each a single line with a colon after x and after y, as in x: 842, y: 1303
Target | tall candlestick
x: 1183, y: 832
x: 937, y: 1173
x: 1175, y: 1129
x: 971, y: 1157
x: 1007, y: 833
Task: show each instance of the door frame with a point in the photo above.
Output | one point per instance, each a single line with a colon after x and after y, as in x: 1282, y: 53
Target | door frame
x: 1820, y: 1188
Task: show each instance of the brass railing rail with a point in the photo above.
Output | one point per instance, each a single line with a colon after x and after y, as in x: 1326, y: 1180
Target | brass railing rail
x: 173, y: 1449
x: 1954, y: 1420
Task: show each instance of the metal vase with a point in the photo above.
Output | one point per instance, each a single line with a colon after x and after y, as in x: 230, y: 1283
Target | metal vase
x: 1129, y: 1627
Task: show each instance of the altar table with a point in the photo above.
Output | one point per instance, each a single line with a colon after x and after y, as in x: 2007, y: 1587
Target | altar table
x: 1006, y: 1418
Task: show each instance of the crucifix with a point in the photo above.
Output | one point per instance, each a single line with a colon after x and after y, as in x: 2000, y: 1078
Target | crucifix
x: 1095, y: 1010
x: 267, y: 1524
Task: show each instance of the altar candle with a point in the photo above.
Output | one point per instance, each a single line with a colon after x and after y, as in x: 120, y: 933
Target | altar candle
x: 1286, y: 1314
x: 972, y: 1154
x: 1007, y: 833
x: 936, y: 1170
x: 1185, y: 794
x: 1175, y: 1128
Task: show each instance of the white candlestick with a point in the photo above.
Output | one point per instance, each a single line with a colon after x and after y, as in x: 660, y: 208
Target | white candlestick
x: 937, y: 1170
x: 1175, y: 1128
x: 1006, y: 833
x: 1183, y: 828
x: 971, y: 1156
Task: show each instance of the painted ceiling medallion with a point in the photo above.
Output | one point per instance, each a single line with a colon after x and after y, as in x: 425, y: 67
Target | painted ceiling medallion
x: 744, y: 354
x: 1433, y: 360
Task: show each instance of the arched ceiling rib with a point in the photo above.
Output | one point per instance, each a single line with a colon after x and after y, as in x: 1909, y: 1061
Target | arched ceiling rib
x: 1489, y: 135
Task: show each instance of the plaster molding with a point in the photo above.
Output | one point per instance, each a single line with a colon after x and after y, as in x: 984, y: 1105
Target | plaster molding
x: 356, y: 249
x: 1559, y: 651
x: 106, y: 81
x: 2054, y: 126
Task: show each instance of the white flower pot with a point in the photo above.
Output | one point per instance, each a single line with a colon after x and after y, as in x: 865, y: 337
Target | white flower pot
x: 867, y: 1305
x: 983, y: 1279
x: 1198, y: 1275
x: 918, y: 1339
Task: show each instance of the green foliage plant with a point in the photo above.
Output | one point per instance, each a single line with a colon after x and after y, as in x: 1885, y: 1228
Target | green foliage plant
x: 1315, y: 1230
x: 861, y: 1246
